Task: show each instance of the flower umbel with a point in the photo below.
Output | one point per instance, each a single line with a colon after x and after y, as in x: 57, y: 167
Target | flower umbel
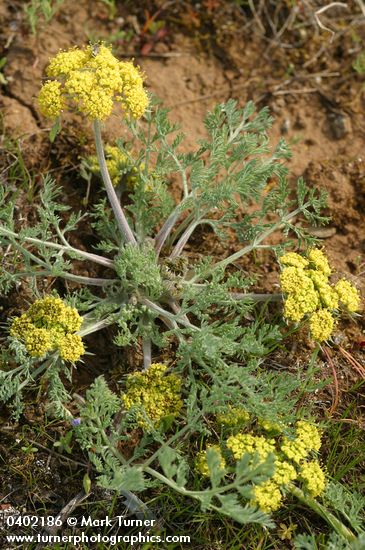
x: 267, y: 496
x: 321, y: 325
x: 92, y: 82
x: 293, y: 463
x: 50, y: 99
x: 348, y: 295
x: 157, y: 393
x: 119, y: 166
x: 235, y: 416
x: 305, y: 281
x: 50, y: 325
x: 314, y: 477
x: 307, y: 439
x: 201, y: 464
x: 241, y: 444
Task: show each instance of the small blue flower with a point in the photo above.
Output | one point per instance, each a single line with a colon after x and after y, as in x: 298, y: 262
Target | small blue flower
x: 76, y: 421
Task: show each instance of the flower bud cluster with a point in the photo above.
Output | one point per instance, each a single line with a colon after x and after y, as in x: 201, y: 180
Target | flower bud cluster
x: 92, y: 79
x: 159, y: 394
x: 234, y: 416
x: 121, y: 168
x: 201, y: 464
x: 293, y: 462
x: 309, y: 293
x: 118, y: 164
x: 50, y: 325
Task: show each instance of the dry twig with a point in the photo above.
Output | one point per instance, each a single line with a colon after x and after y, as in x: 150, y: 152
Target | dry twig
x: 336, y: 392
x: 322, y: 10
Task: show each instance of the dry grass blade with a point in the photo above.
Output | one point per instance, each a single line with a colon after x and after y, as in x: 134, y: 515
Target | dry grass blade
x: 356, y: 366
x: 336, y: 393
x: 322, y: 10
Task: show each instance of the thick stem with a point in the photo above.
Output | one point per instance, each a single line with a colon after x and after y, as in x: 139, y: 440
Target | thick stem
x: 319, y: 509
x: 180, y: 229
x: 256, y: 297
x: 184, y: 178
x: 68, y: 249
x: 89, y: 281
x: 169, y: 224
x: 185, y: 237
x: 112, y: 196
x: 147, y: 352
x: 94, y: 327
x: 187, y: 492
x: 166, y: 230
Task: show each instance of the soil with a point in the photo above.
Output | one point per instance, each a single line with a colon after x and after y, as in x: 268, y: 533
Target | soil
x: 207, y: 55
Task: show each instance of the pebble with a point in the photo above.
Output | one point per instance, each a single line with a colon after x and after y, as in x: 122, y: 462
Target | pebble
x: 340, y: 125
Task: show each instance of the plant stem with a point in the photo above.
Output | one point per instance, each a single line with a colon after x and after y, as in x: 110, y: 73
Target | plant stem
x: 171, y: 440
x: 34, y: 374
x: 68, y: 249
x: 167, y: 227
x: 91, y: 281
x: 147, y: 352
x: 309, y: 501
x: 112, y: 196
x: 336, y: 393
x: 187, y: 492
x: 164, y: 313
x: 278, y: 297
x: 247, y: 249
x: 180, y: 229
x: 94, y: 327
x: 109, y: 444
x: 185, y: 237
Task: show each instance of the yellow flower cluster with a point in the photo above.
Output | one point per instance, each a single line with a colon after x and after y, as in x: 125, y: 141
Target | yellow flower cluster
x: 267, y: 496
x: 50, y: 325
x: 157, y: 393
x: 348, y: 295
x: 293, y: 259
x: 201, y: 464
x: 284, y: 473
x: 290, y: 466
x: 235, y: 416
x: 247, y: 443
x: 305, y: 281
x: 307, y: 439
x: 321, y: 325
x: 292, y: 463
x: 270, y: 426
x: 50, y: 99
x: 314, y: 477
x: 92, y: 78
x: 319, y: 261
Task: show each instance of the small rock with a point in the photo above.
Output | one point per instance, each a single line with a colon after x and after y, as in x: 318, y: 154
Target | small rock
x: 18, y: 119
x: 340, y: 125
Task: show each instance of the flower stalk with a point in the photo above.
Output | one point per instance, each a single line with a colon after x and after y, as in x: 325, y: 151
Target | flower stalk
x: 112, y: 196
x: 319, y: 509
